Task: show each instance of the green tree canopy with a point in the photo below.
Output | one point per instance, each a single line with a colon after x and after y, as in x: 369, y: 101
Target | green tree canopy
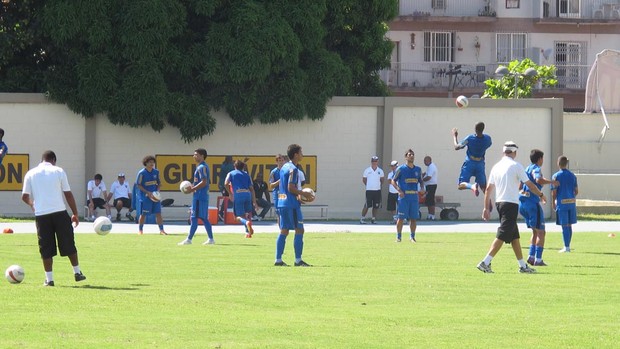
x: 504, y: 87
x: 152, y: 62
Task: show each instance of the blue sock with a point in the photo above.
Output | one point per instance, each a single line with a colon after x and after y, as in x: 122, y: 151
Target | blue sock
x: 566, y: 235
x: 539, y: 251
x: 298, y: 243
x: 280, y: 244
x: 161, y: 227
x: 399, y: 236
x: 140, y: 227
x: 209, y: 228
x: 412, y: 235
x: 192, y: 227
x: 570, y: 235
x: 532, y: 250
x: 244, y: 221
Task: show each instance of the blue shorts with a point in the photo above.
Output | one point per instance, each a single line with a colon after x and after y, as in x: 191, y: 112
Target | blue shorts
x: 242, y: 205
x: 291, y: 218
x: 408, y: 209
x: 200, y: 209
x: 533, y: 214
x: 149, y: 206
x: 566, y: 217
x: 473, y: 169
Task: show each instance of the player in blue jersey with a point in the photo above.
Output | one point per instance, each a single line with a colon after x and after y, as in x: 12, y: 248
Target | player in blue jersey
x: 408, y: 182
x: 531, y: 209
x: 200, y: 199
x: 563, y: 201
x: 274, y: 181
x: 289, y: 207
x: 241, y: 190
x: 148, y: 182
x: 477, y: 145
x: 3, y: 148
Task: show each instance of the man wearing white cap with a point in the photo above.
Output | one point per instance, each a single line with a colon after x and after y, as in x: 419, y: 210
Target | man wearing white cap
x: 373, y: 180
x: 504, y: 179
x: 120, y: 192
x: 392, y: 193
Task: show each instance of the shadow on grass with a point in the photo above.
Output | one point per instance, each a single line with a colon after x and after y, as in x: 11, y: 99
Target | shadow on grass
x: 92, y: 287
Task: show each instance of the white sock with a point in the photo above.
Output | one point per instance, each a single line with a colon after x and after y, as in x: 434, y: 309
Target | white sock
x: 522, y: 263
x: 49, y: 275
x: 487, y: 260
x: 76, y: 269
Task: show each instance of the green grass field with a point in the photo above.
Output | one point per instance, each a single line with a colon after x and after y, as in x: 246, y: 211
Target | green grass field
x: 364, y: 291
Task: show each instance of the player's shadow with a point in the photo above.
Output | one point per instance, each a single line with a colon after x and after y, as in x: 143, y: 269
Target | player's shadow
x: 106, y: 288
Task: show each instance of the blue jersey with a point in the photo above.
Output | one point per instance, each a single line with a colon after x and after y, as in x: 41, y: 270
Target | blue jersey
x: 148, y: 180
x: 202, y: 173
x: 274, y: 176
x: 533, y: 173
x: 565, y: 192
x: 409, y: 180
x: 288, y: 174
x: 476, y: 146
x: 241, y: 184
x: 5, y: 150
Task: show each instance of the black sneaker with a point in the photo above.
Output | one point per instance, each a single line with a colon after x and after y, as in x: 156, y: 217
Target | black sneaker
x: 79, y: 276
x: 48, y: 283
x: 280, y: 264
x: 302, y: 264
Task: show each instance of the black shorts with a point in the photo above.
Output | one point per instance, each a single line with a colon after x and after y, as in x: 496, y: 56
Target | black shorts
x: 52, y: 227
x: 508, y: 229
x: 126, y: 202
x: 430, y: 195
x: 97, y: 203
x: 373, y: 198
x: 392, y: 200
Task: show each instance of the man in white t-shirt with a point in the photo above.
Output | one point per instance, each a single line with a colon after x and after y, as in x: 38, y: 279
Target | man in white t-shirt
x: 505, y: 179
x: 430, y: 184
x: 120, y: 192
x: 392, y: 201
x: 97, y: 197
x: 45, y: 189
x: 372, y: 178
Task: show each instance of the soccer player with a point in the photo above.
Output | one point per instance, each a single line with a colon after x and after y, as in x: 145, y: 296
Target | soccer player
x: 477, y: 145
x: 290, y: 208
x: 45, y: 189
x: 239, y: 183
x: 200, y: 199
x: 563, y: 200
x: 531, y: 209
x: 148, y: 182
x: 274, y: 181
x: 3, y: 148
x: 408, y: 180
x: 506, y: 176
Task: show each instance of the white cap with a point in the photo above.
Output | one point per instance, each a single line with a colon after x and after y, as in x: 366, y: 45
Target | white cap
x: 510, y: 146
x: 394, y: 163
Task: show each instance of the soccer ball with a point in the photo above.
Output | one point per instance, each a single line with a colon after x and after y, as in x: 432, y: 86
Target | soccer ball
x: 157, y: 196
x: 185, y: 185
x: 102, y: 225
x: 462, y: 102
x: 15, y: 274
x: 307, y: 190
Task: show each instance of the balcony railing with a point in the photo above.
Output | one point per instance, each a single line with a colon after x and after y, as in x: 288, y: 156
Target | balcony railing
x: 574, y: 9
x: 473, y: 75
x: 450, y: 8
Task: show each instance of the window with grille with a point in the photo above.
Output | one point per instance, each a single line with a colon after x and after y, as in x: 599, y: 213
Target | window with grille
x: 510, y: 46
x: 438, y: 46
x: 512, y: 3
x: 439, y: 4
x: 569, y: 8
x: 571, y: 64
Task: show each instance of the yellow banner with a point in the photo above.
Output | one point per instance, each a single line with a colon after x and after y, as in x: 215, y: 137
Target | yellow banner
x: 12, y: 171
x: 173, y: 169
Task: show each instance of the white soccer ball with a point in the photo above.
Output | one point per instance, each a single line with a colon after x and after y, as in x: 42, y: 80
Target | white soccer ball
x: 307, y: 190
x: 185, y: 185
x: 157, y: 196
x: 462, y: 102
x: 14, y: 274
x: 102, y: 225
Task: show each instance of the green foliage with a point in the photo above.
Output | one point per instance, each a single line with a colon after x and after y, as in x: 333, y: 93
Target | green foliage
x: 504, y: 87
x: 158, y: 62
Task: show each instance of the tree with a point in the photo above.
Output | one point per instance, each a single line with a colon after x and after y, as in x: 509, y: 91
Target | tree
x: 152, y: 62
x: 504, y: 87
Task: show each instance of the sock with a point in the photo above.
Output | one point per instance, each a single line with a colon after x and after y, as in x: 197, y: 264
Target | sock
x: 532, y: 250
x: 487, y: 260
x: 469, y: 185
x: 566, y: 235
x: 76, y: 269
x: 570, y: 235
x: 209, y: 228
x: 298, y: 244
x: 161, y: 227
x: 49, y: 276
x: 539, y: 252
x: 192, y: 228
x: 399, y: 236
x: 412, y: 235
x: 522, y: 263
x: 141, y: 227
x: 280, y: 244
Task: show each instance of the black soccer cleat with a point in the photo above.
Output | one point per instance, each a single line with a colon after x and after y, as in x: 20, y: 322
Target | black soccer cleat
x: 79, y: 276
x: 302, y: 264
x: 280, y: 264
x: 48, y: 283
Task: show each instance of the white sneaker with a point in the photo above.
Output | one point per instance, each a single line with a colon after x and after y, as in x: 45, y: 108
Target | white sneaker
x: 362, y: 221
x: 564, y: 250
x: 110, y: 217
x: 185, y: 242
x: 255, y: 218
x: 209, y: 242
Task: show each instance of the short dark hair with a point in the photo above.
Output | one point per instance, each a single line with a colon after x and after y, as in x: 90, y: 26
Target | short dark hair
x: 479, y: 127
x: 562, y: 161
x: 292, y: 150
x: 99, y: 176
x: 48, y: 156
x: 201, y: 151
x: 409, y: 151
x: 147, y: 159
x: 1, y: 133
x: 239, y: 165
x: 535, y: 155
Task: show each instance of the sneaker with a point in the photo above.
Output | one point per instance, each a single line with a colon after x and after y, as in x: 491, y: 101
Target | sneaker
x: 48, y: 283
x: 362, y: 221
x: 540, y: 263
x: 412, y: 240
x: 79, y: 276
x: 373, y: 221
x: 254, y: 218
x: 397, y: 240
x: 161, y: 232
x: 118, y: 217
x: 484, y: 268
x: 92, y: 218
x: 209, y: 242
x: 530, y: 260
x: 129, y: 216
x: 280, y: 264
x: 248, y: 226
x: 302, y: 264
x: 476, y: 189
x: 564, y: 250
x: 527, y: 270
x: 185, y: 242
